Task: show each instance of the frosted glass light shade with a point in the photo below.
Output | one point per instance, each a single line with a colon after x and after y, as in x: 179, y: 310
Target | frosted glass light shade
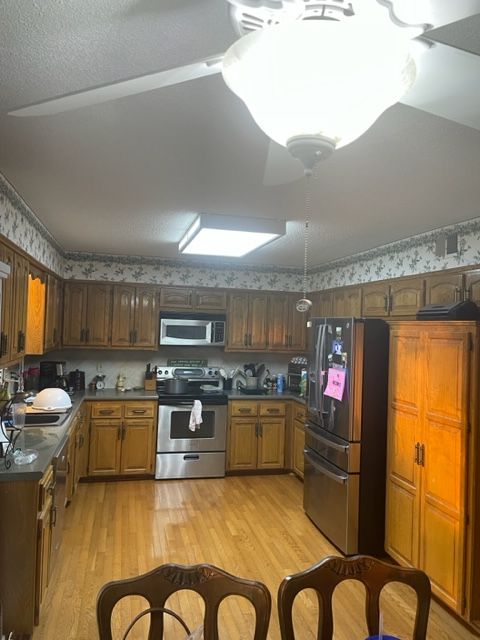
x: 215, y: 235
x: 319, y: 78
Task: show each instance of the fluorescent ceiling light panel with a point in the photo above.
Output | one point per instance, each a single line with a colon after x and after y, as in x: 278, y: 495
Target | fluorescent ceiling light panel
x: 215, y: 235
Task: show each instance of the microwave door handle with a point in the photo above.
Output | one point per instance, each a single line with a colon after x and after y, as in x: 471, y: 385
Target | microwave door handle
x: 340, y: 478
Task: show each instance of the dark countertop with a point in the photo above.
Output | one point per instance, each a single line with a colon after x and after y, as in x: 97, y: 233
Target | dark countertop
x: 49, y: 440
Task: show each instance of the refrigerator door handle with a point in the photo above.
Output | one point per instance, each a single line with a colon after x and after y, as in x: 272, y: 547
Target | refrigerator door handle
x: 340, y: 478
x: 326, y: 441
x: 319, y: 366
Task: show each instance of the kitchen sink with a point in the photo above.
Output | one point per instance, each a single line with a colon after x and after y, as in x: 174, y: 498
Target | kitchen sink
x: 50, y: 419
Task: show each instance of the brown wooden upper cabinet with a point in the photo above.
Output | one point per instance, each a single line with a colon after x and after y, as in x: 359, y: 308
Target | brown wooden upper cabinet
x: 135, y: 317
x: 87, y: 315
x: 14, y: 306
x: 247, y: 322
x: 322, y: 305
x: 188, y: 299
x: 53, y: 313
x: 401, y: 297
x: 347, y: 302
x: 286, y: 325
x: 444, y: 288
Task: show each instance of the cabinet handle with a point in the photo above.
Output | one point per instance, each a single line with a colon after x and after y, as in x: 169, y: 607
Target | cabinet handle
x: 249, y: 339
x: 135, y: 336
x: 244, y: 410
x: 124, y: 431
x: 119, y: 433
x: 87, y: 335
x: 53, y: 516
x: 458, y: 294
x: 386, y: 303
x: 422, y: 455
x: 81, y: 441
x: 245, y: 340
x: 260, y: 429
x: 82, y: 335
x: 138, y: 410
x: 285, y: 342
x: 417, y: 453
x: 270, y: 410
x: 131, y: 337
x: 467, y: 293
x: 3, y: 340
x: 256, y: 429
x: 106, y: 412
x: 290, y: 340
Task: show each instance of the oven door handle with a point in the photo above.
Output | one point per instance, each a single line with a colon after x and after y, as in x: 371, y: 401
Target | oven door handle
x: 343, y: 448
x: 340, y: 478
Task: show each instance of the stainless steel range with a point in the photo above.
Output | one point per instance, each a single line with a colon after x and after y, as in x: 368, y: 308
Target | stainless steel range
x: 183, y: 452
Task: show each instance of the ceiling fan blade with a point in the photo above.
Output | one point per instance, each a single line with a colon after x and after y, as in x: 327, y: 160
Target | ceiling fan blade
x: 105, y: 93
x: 437, y: 13
x: 447, y: 85
x: 280, y: 166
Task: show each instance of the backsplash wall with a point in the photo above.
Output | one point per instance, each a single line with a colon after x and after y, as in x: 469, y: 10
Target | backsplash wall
x: 406, y: 257
x: 132, y: 363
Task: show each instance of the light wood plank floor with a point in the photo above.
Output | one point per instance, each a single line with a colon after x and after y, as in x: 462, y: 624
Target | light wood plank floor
x: 251, y: 526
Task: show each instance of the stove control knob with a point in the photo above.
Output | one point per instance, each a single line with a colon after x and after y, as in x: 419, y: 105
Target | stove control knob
x: 216, y: 372
x: 210, y: 372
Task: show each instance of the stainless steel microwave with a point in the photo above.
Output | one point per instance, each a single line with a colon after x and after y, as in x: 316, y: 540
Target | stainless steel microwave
x: 192, y: 330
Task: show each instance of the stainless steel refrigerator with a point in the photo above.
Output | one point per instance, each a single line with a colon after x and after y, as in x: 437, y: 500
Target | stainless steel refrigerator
x: 345, y: 432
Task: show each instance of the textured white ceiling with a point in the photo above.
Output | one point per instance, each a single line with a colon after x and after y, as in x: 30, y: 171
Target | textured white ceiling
x: 127, y: 177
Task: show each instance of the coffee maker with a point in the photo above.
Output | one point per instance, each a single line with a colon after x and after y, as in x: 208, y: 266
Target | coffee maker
x: 52, y: 374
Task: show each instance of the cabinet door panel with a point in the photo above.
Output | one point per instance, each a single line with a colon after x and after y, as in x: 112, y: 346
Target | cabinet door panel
x: 210, y: 300
x: 322, y: 306
x: 238, y: 321
x: 404, y: 432
x: 407, y: 296
x: 271, y: 444
x: 258, y: 308
x: 137, y: 447
x: 105, y: 447
x: 123, y: 315
x: 52, y: 313
x: 443, y: 289
x: 297, y: 327
x: 278, y: 330
x: 242, y: 453
x: 347, y: 302
x: 176, y: 298
x: 472, y: 285
x: 75, y: 314
x: 99, y: 315
x: 19, y: 311
x: 6, y: 255
x: 146, y: 318
x: 375, y: 300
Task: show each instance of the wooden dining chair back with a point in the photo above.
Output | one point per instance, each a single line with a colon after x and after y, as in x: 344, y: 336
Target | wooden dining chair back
x: 374, y: 574
x: 210, y: 582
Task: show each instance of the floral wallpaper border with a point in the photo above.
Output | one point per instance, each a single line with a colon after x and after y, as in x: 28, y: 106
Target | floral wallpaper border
x: 402, y: 258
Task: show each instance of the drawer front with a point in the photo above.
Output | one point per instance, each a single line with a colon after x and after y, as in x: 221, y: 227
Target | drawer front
x: 272, y: 408
x: 298, y: 412
x: 106, y: 410
x: 243, y: 409
x: 139, y: 409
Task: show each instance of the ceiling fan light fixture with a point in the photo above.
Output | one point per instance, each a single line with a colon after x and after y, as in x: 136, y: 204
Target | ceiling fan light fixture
x: 216, y: 235
x: 326, y: 79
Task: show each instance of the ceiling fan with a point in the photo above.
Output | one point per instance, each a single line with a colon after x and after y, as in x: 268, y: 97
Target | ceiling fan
x: 446, y: 79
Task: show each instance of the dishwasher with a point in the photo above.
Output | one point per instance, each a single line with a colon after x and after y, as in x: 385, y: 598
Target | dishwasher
x: 60, y: 465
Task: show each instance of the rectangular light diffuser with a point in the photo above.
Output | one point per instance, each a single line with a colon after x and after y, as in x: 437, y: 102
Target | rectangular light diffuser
x: 215, y: 235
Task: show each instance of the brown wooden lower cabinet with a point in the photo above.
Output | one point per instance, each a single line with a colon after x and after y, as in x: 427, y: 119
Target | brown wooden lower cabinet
x: 432, y: 517
x: 122, y: 438
x: 256, y: 435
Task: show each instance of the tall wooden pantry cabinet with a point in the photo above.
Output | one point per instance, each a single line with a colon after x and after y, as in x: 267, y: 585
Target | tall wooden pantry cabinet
x: 432, y: 457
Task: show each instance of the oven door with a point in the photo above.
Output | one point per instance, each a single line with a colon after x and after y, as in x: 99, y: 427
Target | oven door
x: 330, y: 500
x: 174, y: 434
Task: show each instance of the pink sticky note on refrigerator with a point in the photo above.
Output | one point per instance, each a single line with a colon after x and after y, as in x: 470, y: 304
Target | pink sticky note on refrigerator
x: 335, y: 383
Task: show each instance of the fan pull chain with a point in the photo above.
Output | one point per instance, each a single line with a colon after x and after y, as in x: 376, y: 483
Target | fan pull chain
x: 305, y: 304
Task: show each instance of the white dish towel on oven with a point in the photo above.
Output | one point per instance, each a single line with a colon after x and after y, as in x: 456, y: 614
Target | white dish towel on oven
x: 195, y: 416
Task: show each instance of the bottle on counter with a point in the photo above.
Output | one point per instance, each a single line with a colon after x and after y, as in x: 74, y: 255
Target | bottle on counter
x: 280, y: 383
